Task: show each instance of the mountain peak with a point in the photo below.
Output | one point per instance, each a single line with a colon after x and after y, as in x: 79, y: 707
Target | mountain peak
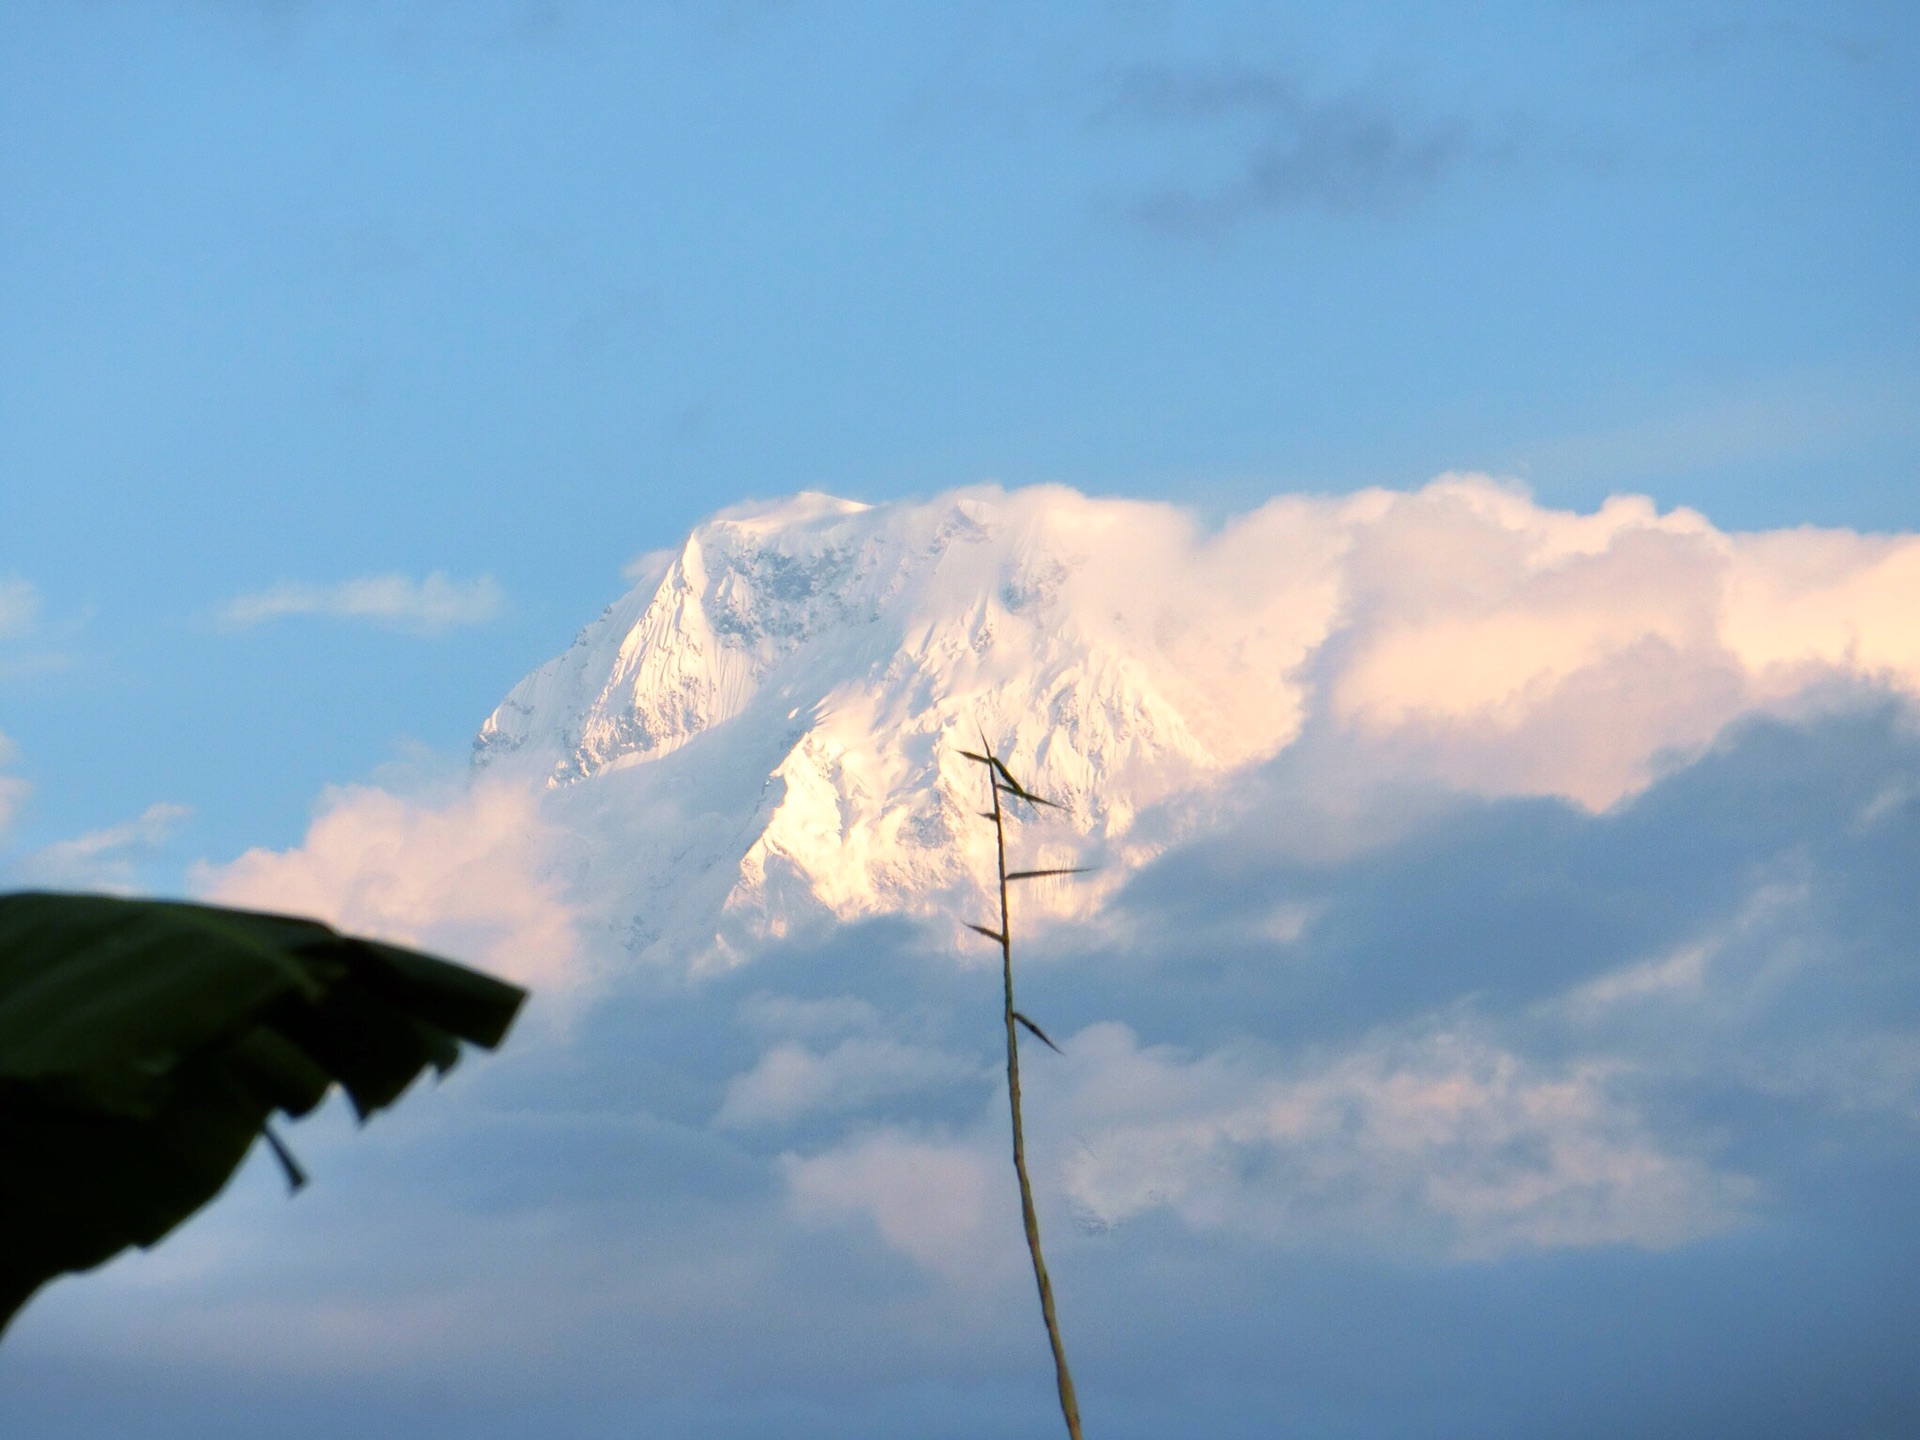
x: 824, y: 662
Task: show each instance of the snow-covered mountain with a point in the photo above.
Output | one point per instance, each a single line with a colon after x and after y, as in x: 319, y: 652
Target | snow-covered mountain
x: 767, y: 731
x: 772, y: 729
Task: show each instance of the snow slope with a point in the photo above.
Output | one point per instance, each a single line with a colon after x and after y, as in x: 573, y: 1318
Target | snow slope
x: 773, y: 730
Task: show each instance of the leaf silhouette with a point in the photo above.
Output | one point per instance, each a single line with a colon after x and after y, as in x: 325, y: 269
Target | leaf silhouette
x: 144, y: 1044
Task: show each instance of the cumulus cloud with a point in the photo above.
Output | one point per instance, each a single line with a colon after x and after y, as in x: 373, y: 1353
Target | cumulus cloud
x: 1631, y: 1029
x: 930, y: 1200
x: 1503, y: 647
x: 1432, y: 1140
x: 791, y: 1080
x: 425, y: 607
x: 468, y: 876
x: 1440, y: 1141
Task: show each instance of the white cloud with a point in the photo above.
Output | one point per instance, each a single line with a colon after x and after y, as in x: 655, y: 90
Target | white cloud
x: 1437, y: 1142
x: 426, y: 607
x: 1492, y: 644
x: 469, y: 877
x: 1802, y: 598
x: 790, y: 1081
x: 1464, y: 633
x: 1441, y: 1141
x: 938, y: 1202
x: 648, y: 568
x: 27, y: 641
x: 19, y: 608
x: 103, y: 859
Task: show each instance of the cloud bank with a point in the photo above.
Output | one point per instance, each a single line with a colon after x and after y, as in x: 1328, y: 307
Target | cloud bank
x: 465, y: 877
x: 1525, y: 1030
x: 424, y: 607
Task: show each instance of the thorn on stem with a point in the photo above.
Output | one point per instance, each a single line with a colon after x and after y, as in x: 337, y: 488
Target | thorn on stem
x: 1039, y: 1034
x: 1018, y: 789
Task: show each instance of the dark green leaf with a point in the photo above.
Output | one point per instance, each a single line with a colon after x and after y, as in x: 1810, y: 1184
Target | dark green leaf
x: 144, y: 1043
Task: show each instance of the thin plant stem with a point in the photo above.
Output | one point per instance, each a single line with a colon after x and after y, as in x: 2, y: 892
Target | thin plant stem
x: 1069, y: 1404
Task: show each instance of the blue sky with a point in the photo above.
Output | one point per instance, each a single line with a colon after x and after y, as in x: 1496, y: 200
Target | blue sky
x: 350, y: 352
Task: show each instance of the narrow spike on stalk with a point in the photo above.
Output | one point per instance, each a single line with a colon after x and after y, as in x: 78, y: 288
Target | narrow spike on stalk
x: 1017, y: 788
x: 296, y: 1177
x: 1039, y: 1034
